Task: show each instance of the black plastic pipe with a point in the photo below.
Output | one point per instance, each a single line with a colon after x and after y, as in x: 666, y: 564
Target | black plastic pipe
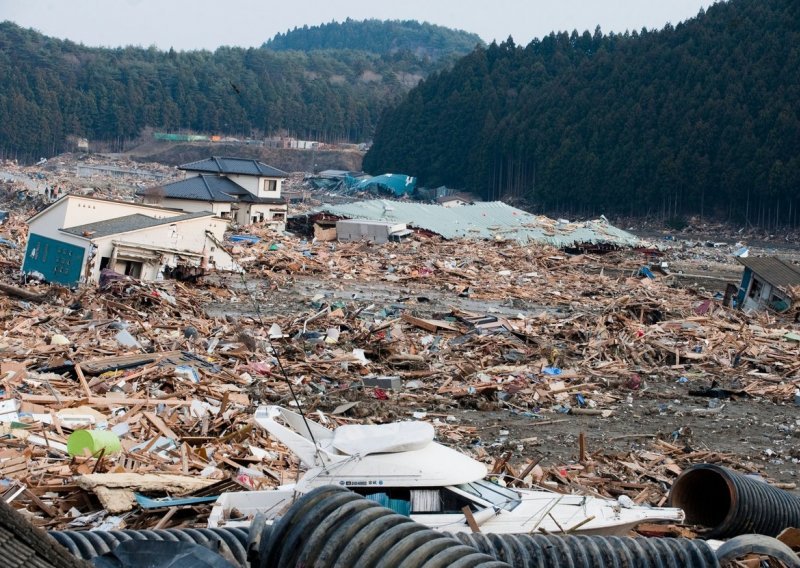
x: 731, y: 504
x: 578, y: 551
x: 230, y: 543
x: 333, y: 527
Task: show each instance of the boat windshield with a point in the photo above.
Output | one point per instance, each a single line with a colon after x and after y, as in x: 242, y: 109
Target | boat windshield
x: 497, y: 495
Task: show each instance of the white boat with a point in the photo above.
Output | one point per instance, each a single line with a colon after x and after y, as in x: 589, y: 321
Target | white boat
x: 401, y: 467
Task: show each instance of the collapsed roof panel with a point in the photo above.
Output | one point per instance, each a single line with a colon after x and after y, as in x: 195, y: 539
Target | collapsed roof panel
x: 490, y: 220
x: 398, y: 184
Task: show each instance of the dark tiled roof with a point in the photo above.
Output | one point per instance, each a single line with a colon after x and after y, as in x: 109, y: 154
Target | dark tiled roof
x: 24, y: 546
x: 774, y: 270
x: 250, y: 198
x: 212, y: 188
x: 127, y: 224
x: 240, y: 166
x: 204, y: 187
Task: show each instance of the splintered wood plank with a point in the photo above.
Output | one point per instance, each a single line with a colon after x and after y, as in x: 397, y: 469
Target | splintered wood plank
x: 82, y: 379
x: 102, y: 401
x: 160, y: 425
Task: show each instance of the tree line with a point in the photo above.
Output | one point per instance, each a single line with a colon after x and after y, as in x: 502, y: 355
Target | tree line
x: 379, y: 36
x: 51, y: 89
x: 700, y: 118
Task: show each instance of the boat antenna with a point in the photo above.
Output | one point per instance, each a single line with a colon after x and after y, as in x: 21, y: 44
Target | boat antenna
x: 282, y: 369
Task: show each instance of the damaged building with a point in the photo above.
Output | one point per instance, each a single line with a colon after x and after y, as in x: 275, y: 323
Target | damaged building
x: 768, y: 282
x: 241, y: 190
x: 481, y: 221
x: 76, y: 237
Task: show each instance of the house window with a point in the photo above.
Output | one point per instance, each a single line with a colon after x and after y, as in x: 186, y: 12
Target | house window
x: 225, y: 214
x: 755, y: 289
x: 270, y: 185
x: 133, y: 269
x: 278, y: 216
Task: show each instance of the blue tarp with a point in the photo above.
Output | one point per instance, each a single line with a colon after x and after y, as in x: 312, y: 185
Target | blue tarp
x: 398, y: 184
x: 150, y: 503
x: 244, y: 238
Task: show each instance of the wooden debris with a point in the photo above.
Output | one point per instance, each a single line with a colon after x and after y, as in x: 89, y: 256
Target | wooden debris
x: 562, y: 340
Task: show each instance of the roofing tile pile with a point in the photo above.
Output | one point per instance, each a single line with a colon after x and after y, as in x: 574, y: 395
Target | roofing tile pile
x: 22, y: 546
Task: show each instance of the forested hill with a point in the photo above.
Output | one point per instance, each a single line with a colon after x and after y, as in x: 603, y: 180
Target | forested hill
x: 379, y: 36
x: 699, y: 118
x: 50, y: 89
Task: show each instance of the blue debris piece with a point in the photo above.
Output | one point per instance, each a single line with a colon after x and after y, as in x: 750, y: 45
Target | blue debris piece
x: 645, y: 271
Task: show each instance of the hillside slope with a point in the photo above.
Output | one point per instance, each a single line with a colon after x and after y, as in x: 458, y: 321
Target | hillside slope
x: 379, y: 36
x: 50, y: 89
x: 699, y: 118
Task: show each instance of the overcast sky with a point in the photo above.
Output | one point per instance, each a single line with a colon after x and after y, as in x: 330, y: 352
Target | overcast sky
x: 208, y: 24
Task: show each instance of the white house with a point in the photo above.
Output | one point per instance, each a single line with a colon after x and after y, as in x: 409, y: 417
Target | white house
x: 242, y: 190
x: 455, y: 200
x: 76, y: 237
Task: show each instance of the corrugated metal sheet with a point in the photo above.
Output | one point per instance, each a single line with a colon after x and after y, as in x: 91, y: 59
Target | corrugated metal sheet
x: 490, y: 220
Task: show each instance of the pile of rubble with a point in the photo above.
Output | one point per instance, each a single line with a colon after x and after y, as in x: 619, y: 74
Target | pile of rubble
x: 424, y: 329
x: 82, y: 174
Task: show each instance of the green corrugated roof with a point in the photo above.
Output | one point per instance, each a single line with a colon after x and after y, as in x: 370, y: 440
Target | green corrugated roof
x: 487, y: 220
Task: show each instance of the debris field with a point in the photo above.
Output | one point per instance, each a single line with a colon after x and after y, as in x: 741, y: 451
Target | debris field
x: 581, y: 373
x: 546, y: 366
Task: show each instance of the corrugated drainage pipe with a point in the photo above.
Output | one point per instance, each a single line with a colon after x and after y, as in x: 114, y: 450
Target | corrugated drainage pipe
x: 333, y: 527
x: 747, y: 544
x: 230, y: 543
x: 730, y: 504
x: 578, y: 551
